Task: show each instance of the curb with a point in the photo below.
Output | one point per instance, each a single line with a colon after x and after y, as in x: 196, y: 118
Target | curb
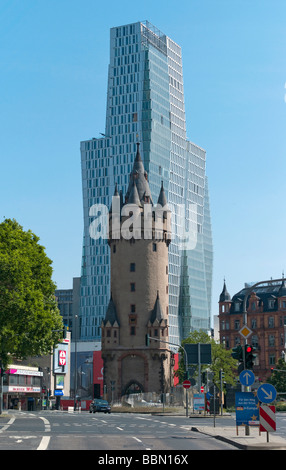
x: 239, y: 445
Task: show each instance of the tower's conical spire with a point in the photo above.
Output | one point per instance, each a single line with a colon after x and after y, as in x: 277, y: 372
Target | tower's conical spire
x: 162, y: 196
x: 224, y: 296
x: 138, y: 175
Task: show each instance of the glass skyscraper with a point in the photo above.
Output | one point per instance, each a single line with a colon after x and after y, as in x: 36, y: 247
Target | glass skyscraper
x: 145, y: 104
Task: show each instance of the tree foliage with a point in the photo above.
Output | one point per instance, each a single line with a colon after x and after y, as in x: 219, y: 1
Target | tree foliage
x: 221, y: 359
x: 28, y: 310
x: 278, y: 377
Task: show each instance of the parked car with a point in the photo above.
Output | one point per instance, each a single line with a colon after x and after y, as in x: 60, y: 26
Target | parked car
x: 99, y: 405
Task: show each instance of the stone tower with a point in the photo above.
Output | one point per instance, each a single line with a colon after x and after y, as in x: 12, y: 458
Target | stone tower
x: 139, y: 236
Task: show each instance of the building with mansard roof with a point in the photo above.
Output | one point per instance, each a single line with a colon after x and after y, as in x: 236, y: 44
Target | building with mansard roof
x: 266, y: 318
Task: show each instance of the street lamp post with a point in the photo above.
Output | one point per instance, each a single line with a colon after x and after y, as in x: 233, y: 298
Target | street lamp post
x: 186, y: 363
x: 75, y: 360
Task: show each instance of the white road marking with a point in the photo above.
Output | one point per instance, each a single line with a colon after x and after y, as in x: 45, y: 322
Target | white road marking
x: 44, y: 443
x: 47, y: 424
x: 11, y: 421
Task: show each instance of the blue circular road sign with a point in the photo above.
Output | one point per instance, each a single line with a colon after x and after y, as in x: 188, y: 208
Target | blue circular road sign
x: 266, y: 393
x: 247, y: 377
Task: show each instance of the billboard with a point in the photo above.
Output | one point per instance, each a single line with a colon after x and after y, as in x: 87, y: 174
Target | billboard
x: 98, y: 370
x: 60, y: 359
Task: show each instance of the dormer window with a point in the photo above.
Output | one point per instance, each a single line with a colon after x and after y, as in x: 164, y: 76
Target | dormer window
x: 237, y: 306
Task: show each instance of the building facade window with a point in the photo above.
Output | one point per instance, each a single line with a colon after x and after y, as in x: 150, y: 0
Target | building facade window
x: 272, y: 359
x: 132, y: 324
x: 253, y: 323
x: 271, y: 341
x: 236, y: 324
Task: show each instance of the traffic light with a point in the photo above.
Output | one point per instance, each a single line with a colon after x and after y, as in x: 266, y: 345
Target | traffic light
x: 249, y: 356
x: 237, y: 353
x: 186, y: 375
x: 221, y: 375
x: 2, y: 371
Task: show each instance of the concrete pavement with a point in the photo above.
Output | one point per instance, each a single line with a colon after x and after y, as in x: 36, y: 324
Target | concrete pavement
x: 252, y: 442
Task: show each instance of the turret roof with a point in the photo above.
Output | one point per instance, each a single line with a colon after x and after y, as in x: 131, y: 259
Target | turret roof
x: 111, y: 315
x: 138, y: 177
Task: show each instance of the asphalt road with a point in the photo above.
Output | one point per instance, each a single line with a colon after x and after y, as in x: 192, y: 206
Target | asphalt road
x: 52, y: 430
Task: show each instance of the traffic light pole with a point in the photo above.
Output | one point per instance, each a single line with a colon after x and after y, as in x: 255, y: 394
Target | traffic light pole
x: 244, y: 311
x: 186, y: 363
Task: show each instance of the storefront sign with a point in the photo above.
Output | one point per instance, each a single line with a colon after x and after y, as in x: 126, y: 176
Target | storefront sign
x: 17, y: 388
x: 34, y: 373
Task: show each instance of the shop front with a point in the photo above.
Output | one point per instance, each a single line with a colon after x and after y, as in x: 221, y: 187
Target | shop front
x: 22, y: 388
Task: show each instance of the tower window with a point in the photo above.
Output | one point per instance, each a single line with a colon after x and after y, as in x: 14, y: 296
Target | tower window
x: 133, y: 308
x: 132, y: 286
x: 132, y: 267
x: 132, y: 324
x: 154, y: 247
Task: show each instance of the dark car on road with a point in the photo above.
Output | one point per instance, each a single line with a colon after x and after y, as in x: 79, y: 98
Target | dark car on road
x: 99, y: 405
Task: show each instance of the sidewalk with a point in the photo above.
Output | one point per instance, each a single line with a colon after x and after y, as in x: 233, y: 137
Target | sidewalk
x: 251, y: 442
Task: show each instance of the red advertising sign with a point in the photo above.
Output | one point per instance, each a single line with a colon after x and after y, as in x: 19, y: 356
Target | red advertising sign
x: 176, y: 367
x: 62, y: 358
x: 98, y: 370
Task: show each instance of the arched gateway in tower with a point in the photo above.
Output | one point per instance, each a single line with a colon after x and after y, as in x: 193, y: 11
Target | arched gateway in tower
x: 139, y: 236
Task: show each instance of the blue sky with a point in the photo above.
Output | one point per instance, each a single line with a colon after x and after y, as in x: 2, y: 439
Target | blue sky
x: 54, y: 57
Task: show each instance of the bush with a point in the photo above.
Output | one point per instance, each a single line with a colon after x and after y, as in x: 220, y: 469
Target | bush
x: 280, y: 406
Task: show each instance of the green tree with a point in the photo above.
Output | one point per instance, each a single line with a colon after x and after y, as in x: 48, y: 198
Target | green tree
x: 278, y: 377
x: 221, y: 359
x: 30, y: 322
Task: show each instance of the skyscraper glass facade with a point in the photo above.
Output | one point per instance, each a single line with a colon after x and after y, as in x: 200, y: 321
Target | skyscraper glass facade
x: 145, y: 104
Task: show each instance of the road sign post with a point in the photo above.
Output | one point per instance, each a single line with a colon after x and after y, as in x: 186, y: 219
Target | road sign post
x: 266, y: 393
x: 246, y: 409
x: 267, y: 419
x: 247, y: 378
x: 187, y: 384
